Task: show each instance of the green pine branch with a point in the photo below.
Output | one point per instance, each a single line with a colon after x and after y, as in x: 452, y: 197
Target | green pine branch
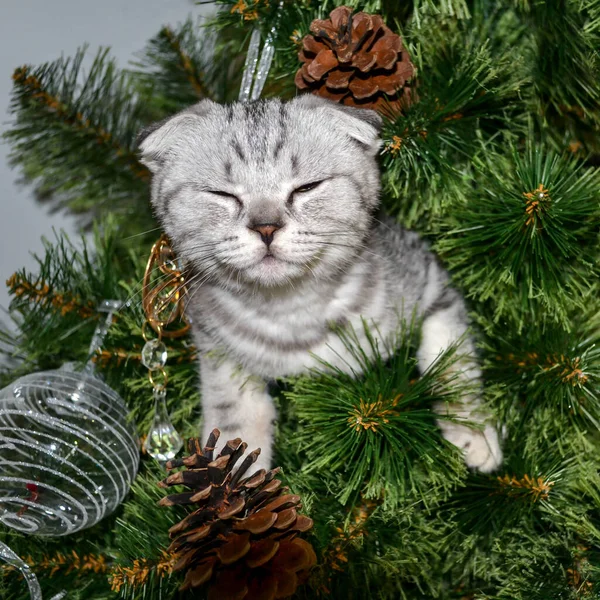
x: 375, y: 432
x: 548, y: 369
x: 54, y: 308
x: 54, y: 311
x: 567, y: 60
x: 181, y: 66
x: 524, y: 240
x: 74, y: 137
x: 531, y: 518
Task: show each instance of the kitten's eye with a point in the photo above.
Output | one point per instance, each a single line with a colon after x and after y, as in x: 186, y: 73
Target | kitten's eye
x: 227, y: 195
x: 307, y: 187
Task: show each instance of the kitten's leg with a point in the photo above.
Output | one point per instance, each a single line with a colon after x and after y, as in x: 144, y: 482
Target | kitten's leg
x: 238, y: 405
x: 445, y: 322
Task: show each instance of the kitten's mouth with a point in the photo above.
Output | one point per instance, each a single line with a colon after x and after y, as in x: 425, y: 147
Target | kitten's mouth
x: 269, y: 258
x: 272, y: 270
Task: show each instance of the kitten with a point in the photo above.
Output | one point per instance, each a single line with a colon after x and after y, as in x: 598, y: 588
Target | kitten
x: 270, y: 207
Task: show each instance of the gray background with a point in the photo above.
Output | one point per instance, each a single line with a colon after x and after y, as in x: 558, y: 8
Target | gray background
x: 37, y: 31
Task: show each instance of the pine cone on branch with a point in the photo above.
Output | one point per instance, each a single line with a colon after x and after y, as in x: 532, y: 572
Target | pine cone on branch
x: 355, y: 59
x: 241, y: 539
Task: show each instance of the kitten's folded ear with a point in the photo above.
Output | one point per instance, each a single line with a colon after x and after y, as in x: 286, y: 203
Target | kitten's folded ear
x: 156, y: 140
x: 362, y: 124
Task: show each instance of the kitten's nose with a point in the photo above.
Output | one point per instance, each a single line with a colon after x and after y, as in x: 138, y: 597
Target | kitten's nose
x: 266, y: 230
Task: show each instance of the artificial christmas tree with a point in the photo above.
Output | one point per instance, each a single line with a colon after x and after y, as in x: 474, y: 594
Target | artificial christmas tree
x: 494, y: 160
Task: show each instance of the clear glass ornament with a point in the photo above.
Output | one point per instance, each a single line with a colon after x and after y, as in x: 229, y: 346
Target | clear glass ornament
x: 68, y: 452
x: 154, y: 355
x: 163, y: 442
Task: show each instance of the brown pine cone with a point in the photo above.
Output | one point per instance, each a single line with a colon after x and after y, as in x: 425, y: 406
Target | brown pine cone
x: 242, y: 538
x: 356, y: 60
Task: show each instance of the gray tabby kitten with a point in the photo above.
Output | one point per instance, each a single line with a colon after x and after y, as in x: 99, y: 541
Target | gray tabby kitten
x: 270, y: 207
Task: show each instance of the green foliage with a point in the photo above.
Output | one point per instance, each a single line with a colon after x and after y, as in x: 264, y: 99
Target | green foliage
x: 74, y: 134
x: 387, y: 443
x: 566, y: 61
x: 531, y: 241
x: 170, y: 70
x: 179, y: 67
x: 425, y: 150
x: 549, y: 369
x: 537, y: 520
x: 54, y: 308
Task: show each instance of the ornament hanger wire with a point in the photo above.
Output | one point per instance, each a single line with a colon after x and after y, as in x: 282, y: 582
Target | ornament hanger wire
x: 109, y: 307
x: 14, y: 560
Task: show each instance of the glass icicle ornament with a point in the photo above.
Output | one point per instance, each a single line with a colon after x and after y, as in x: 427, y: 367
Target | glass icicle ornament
x: 68, y: 453
x: 258, y: 63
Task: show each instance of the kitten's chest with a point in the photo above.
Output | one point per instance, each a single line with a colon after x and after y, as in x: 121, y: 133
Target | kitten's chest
x: 255, y: 330
x: 278, y: 336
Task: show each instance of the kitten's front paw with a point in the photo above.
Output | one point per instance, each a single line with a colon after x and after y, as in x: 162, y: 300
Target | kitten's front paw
x: 481, y: 448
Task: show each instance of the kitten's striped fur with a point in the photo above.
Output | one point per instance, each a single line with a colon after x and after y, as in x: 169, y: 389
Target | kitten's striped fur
x: 270, y: 206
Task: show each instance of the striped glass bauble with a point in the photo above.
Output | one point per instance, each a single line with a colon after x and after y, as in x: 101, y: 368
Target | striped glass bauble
x: 68, y: 453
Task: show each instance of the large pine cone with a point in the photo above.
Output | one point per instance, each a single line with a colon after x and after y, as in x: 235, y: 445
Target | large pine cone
x: 356, y: 60
x: 242, y: 539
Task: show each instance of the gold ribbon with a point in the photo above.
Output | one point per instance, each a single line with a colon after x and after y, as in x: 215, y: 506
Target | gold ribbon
x: 163, y: 301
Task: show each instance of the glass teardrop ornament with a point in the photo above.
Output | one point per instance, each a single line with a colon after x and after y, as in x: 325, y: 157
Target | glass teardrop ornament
x: 162, y: 442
